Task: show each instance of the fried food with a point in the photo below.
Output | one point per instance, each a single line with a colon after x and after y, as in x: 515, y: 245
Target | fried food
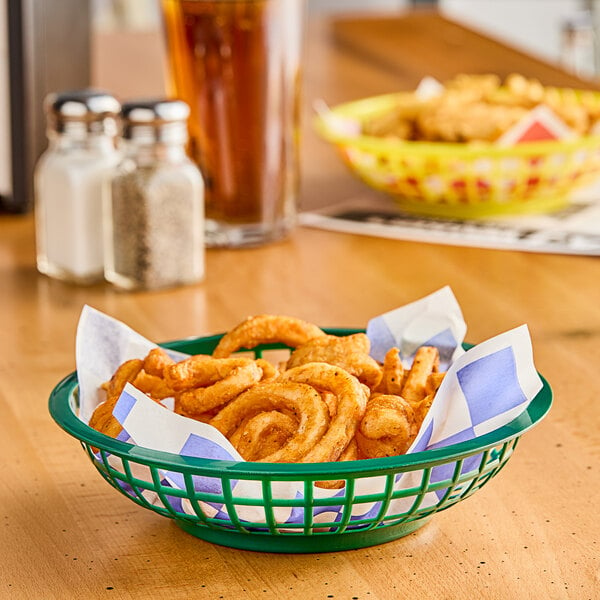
x: 263, y: 434
x: 387, y: 415
x: 156, y: 361
x: 393, y: 373
x: 152, y: 385
x: 125, y: 373
x: 102, y: 418
x: 202, y: 370
x: 394, y: 416
x: 269, y: 371
x: 481, y: 108
x: 266, y: 329
x: 329, y: 401
x: 350, y: 352
x: 422, y: 408
x: 388, y: 427
x: 238, y: 379
x: 350, y: 453
x: 425, y: 362
x: 202, y: 383
x: 297, y: 400
x: 351, y: 403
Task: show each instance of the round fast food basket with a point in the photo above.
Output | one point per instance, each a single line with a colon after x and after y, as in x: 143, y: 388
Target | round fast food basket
x: 323, y: 520
x: 461, y: 180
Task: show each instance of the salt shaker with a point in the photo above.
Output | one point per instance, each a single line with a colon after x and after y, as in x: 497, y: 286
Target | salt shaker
x: 154, y: 206
x: 68, y: 184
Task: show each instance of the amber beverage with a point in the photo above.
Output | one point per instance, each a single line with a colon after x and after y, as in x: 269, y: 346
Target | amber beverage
x: 236, y: 63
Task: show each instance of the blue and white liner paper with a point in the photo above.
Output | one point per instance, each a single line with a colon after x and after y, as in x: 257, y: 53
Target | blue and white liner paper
x: 484, y: 388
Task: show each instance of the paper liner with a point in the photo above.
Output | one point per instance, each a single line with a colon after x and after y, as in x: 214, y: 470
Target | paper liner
x: 485, y: 388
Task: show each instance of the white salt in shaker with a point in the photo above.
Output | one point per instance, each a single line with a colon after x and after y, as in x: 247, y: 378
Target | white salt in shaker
x: 68, y: 182
x: 154, y: 225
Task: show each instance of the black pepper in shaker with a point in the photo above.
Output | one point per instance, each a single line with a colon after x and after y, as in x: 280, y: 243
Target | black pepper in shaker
x: 154, y: 225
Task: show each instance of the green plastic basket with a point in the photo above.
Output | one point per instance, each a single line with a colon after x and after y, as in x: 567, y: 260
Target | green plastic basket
x: 469, y: 465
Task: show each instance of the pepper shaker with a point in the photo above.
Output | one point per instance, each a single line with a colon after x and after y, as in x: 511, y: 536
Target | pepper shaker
x: 154, y: 225
x: 68, y: 183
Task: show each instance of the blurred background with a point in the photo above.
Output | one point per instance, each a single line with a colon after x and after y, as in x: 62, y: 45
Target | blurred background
x: 36, y: 56
x: 556, y: 30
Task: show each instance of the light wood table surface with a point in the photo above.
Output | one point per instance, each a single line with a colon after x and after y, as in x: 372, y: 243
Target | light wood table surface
x: 533, y: 532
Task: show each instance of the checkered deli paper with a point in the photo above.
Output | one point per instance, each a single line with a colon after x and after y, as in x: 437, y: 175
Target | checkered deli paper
x: 485, y: 388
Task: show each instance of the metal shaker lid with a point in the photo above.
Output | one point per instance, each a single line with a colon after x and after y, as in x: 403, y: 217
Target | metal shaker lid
x: 155, y: 111
x: 156, y: 119
x: 88, y: 106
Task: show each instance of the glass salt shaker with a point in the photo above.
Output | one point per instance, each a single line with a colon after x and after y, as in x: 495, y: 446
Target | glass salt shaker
x: 68, y: 183
x: 154, y: 225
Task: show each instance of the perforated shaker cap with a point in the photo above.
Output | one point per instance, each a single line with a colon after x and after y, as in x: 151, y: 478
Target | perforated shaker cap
x: 96, y: 108
x: 160, y: 120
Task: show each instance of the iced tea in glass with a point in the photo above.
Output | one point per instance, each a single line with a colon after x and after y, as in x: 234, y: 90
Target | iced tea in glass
x: 237, y: 64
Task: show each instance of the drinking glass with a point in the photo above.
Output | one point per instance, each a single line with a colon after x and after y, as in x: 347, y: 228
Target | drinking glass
x: 236, y: 63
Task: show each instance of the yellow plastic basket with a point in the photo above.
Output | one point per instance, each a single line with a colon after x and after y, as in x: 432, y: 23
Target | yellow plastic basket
x: 461, y: 180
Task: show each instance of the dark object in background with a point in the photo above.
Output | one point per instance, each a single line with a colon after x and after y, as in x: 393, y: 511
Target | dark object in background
x: 48, y: 49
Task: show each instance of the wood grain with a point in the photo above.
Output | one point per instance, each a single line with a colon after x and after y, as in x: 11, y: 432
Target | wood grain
x: 533, y: 532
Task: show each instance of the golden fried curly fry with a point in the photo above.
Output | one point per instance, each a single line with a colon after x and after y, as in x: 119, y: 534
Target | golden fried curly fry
x: 152, y: 385
x: 387, y: 415
x: 351, y: 403
x: 422, y: 408
x: 388, y: 427
x: 204, y: 417
x: 199, y: 400
x: 263, y: 435
x: 393, y: 373
x: 266, y: 329
x: 425, y: 362
x: 331, y: 402
x: 349, y: 352
x: 156, y: 361
x: 102, y: 418
x: 298, y: 400
x: 350, y: 453
x: 202, y: 370
x: 381, y: 447
x: 269, y: 370
x: 434, y: 380
x: 126, y: 373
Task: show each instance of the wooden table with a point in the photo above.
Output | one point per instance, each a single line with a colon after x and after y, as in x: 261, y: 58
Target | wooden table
x: 533, y: 532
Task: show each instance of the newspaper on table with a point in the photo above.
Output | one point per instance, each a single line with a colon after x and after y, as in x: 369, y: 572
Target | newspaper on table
x: 574, y: 230
x: 485, y: 387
